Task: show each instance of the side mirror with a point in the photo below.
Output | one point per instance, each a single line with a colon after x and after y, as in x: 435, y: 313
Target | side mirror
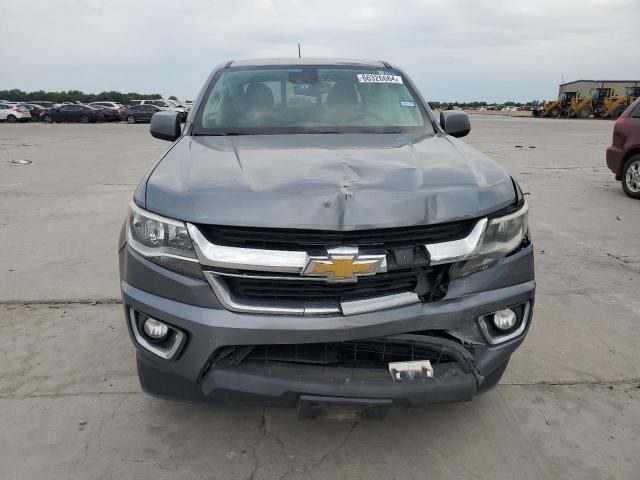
x: 455, y: 123
x: 165, y: 126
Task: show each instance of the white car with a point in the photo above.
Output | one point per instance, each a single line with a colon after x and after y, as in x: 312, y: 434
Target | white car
x: 114, y: 105
x: 178, y: 107
x: 164, y: 105
x: 13, y: 113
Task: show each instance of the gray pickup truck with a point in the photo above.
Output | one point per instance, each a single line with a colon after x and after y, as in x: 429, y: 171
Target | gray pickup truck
x: 315, y: 236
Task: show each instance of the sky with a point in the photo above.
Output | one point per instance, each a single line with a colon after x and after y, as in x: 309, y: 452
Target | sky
x: 454, y: 50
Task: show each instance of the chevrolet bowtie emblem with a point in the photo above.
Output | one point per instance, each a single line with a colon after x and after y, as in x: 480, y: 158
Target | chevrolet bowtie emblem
x: 344, y: 264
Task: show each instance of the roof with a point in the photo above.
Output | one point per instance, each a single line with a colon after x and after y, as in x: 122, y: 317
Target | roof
x: 598, y: 81
x: 306, y: 61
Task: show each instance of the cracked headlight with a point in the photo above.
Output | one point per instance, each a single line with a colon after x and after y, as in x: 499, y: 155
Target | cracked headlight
x: 503, y: 235
x: 162, y: 240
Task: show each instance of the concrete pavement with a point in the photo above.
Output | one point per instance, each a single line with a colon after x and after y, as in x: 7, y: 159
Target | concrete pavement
x: 70, y: 404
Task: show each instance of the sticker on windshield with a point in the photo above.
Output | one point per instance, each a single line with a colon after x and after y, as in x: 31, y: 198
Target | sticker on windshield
x: 377, y: 78
x: 407, y: 104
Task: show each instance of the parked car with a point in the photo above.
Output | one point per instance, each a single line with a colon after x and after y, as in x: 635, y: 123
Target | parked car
x: 110, y: 114
x: 338, y: 245
x: 12, y: 113
x: 164, y: 105
x: 178, y: 107
x: 73, y: 113
x: 112, y: 105
x: 623, y: 156
x: 138, y: 113
x: 34, y: 110
x: 42, y: 103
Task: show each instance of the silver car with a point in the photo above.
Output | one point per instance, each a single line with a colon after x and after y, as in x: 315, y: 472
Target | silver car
x: 13, y: 113
x: 316, y: 236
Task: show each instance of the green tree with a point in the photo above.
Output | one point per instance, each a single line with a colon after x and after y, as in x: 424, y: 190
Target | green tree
x: 17, y: 95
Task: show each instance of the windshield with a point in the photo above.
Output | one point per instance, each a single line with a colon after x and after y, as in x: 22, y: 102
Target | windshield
x: 309, y: 100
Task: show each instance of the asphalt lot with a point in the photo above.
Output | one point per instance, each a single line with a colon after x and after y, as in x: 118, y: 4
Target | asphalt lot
x: 70, y: 405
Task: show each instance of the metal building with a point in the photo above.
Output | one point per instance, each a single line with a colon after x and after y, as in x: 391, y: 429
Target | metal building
x: 583, y: 87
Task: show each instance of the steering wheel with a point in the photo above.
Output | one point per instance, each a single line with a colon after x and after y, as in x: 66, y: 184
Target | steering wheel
x: 364, y: 115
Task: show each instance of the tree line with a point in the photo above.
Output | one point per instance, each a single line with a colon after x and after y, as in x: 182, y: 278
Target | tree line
x: 17, y: 95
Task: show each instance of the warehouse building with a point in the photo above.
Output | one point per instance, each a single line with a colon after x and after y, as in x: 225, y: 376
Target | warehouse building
x: 583, y: 87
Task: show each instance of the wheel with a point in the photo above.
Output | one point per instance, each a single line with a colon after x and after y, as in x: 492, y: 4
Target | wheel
x: 12, y: 119
x: 131, y: 119
x: 554, y: 112
x: 631, y: 177
x: 84, y: 119
x: 47, y: 119
x: 584, y: 112
x: 619, y: 110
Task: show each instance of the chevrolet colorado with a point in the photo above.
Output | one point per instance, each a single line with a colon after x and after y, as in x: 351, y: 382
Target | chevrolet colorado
x: 314, y: 235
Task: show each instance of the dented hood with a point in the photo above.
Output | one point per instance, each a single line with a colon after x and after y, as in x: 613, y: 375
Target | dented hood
x: 326, y: 181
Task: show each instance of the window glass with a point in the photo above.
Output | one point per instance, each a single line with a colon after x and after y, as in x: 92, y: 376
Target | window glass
x: 276, y: 100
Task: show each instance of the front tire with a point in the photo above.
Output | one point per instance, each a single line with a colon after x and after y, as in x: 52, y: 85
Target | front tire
x: 631, y: 177
x: 554, y: 112
x: 12, y: 119
x: 619, y: 110
x: 131, y: 119
x: 584, y: 112
x: 84, y: 119
x: 47, y: 119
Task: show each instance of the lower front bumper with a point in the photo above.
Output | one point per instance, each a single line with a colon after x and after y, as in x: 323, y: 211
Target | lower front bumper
x: 192, y: 376
x: 282, y: 385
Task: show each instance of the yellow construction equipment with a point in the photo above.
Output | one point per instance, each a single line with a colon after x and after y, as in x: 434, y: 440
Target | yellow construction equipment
x: 614, y: 106
x: 608, y: 105
x: 580, y: 108
x: 603, y: 103
x: 556, y: 108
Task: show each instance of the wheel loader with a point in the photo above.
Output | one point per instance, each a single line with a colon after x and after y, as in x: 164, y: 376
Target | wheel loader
x: 556, y: 108
x: 580, y: 107
x: 600, y: 102
x: 614, y: 106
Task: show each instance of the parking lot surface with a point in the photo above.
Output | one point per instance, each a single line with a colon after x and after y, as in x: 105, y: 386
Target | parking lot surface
x: 70, y: 405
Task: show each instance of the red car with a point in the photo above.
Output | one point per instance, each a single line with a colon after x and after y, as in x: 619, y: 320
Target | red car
x: 623, y: 156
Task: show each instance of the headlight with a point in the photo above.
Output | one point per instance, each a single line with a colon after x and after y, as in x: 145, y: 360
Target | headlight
x: 162, y: 240
x: 505, y: 234
x: 502, y: 236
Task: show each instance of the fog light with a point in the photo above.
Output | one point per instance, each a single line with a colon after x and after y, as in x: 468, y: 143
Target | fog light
x: 504, y: 319
x: 155, y: 329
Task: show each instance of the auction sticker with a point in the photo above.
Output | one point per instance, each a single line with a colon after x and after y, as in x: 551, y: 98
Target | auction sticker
x: 378, y: 78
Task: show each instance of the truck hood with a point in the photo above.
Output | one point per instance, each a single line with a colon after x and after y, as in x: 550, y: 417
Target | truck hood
x: 326, y: 181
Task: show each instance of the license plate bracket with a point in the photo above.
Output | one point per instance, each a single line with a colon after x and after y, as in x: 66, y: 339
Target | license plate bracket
x: 342, y: 408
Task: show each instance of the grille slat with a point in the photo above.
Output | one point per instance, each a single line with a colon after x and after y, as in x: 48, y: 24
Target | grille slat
x: 378, y: 285
x: 303, y: 240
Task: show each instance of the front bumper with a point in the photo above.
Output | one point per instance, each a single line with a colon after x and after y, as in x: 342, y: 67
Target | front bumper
x: 189, y: 304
